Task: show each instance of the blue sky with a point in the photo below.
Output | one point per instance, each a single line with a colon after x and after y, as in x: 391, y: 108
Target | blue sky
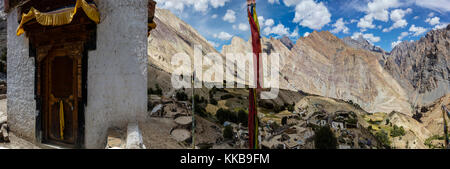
x: 383, y: 22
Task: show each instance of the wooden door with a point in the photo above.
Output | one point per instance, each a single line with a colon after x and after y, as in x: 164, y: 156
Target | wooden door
x: 60, y: 91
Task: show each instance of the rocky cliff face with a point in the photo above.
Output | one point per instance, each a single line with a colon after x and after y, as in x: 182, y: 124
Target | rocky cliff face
x: 323, y: 64
x: 423, y: 67
x: 173, y: 36
x: 287, y: 42
x: 361, y: 43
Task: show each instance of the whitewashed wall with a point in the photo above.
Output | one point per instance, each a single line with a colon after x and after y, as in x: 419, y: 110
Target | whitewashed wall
x: 117, y: 69
x: 21, y: 104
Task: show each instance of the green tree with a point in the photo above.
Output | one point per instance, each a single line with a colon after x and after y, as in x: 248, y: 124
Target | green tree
x: 181, y: 96
x: 383, y: 138
x: 228, y: 132
x: 325, y: 139
x: 397, y: 131
x: 243, y: 117
x: 212, y: 101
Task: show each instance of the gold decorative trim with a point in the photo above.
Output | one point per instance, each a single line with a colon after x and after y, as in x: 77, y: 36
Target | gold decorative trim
x: 59, y: 17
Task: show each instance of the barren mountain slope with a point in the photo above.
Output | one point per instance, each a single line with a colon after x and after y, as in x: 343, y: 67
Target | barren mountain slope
x: 173, y: 36
x: 323, y: 64
x: 423, y: 67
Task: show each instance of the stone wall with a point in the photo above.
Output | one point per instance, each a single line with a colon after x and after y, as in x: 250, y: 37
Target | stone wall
x: 21, y: 104
x: 117, y: 69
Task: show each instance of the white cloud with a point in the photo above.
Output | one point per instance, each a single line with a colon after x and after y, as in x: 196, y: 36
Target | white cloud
x: 223, y: 36
x: 230, y: 16
x: 306, y: 34
x: 243, y: 27
x: 377, y: 10
x: 291, y: 2
x: 295, y: 33
x: 218, y: 3
x: 353, y: 21
x: 366, y: 22
x: 269, y: 22
x: 433, y: 21
x: 199, y: 5
x: 431, y: 14
x: 261, y: 21
x: 311, y: 14
x: 417, y: 30
x: 368, y: 36
x: 339, y: 26
x: 403, y: 35
x: 440, y: 26
x: 279, y: 30
x: 274, y: 1
x: 416, y: 17
x: 214, y: 16
x: 437, y: 5
x: 397, y: 17
x: 214, y: 44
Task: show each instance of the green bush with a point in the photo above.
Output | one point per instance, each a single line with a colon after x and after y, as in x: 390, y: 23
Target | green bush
x: 226, y: 96
x: 265, y: 104
x: 199, y: 99
x: 156, y: 91
x: 325, y: 139
x: 290, y: 107
x: 397, y: 131
x: 242, y: 117
x: 383, y: 138
x: 212, y: 101
x: 224, y: 115
x: 228, y: 132
x: 277, y: 108
x: 181, y: 96
x: 200, y: 110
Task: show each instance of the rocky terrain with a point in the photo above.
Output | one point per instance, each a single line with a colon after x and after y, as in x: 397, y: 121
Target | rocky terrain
x: 323, y: 79
x: 323, y: 64
x: 423, y: 67
x: 361, y: 43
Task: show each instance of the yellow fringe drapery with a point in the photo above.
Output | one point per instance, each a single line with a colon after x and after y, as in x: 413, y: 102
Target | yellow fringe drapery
x: 59, y: 17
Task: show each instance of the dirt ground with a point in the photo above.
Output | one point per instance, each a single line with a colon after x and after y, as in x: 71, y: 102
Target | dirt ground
x: 17, y: 143
x: 156, y: 134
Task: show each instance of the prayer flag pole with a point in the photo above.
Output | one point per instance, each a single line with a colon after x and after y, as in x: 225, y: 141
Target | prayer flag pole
x: 256, y: 45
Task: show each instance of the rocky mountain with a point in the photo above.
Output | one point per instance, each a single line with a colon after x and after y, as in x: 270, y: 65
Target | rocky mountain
x: 423, y: 67
x: 324, y: 65
x: 361, y: 43
x: 345, y: 71
x: 287, y: 42
x: 173, y: 36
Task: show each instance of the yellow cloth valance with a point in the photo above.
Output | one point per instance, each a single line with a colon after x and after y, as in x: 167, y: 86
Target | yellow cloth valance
x: 59, y: 17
